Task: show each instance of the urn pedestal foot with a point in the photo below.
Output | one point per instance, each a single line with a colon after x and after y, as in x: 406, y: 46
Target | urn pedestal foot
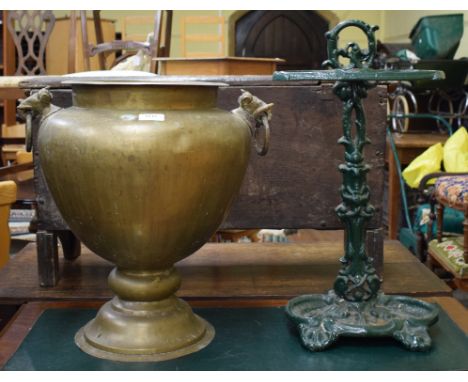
x: 146, y: 331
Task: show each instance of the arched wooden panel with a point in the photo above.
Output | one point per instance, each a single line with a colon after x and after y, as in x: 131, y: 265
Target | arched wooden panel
x: 296, y: 36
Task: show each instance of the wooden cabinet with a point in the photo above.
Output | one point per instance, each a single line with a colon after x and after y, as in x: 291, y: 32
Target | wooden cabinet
x: 61, y: 39
x: 217, y: 66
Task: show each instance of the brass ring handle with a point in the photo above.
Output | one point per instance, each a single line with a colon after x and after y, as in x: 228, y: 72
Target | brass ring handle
x: 29, y: 131
x: 262, y: 125
x: 252, y: 108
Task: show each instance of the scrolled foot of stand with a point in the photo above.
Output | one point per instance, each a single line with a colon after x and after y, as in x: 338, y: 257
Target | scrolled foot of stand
x: 322, y: 319
x: 318, y: 337
x: 414, y: 337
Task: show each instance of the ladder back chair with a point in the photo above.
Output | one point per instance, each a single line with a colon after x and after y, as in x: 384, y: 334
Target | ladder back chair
x: 152, y: 48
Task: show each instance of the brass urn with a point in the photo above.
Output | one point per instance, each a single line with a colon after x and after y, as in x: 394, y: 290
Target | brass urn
x: 144, y: 171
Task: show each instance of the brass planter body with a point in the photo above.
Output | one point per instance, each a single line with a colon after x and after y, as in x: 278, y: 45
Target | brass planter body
x: 144, y: 175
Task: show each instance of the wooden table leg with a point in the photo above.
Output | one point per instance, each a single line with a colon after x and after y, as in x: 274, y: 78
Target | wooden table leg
x: 47, y: 258
x: 393, y: 198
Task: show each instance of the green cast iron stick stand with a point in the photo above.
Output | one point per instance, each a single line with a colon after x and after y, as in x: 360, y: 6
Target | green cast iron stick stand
x: 356, y: 306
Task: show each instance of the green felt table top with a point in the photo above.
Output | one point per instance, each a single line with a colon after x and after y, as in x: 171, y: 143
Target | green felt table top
x: 246, y: 339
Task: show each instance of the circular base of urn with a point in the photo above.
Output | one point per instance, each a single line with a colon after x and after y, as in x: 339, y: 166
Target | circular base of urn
x: 144, y: 331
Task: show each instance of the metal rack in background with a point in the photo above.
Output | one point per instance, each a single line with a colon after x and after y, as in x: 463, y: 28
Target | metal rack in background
x: 447, y: 101
x: 434, y: 40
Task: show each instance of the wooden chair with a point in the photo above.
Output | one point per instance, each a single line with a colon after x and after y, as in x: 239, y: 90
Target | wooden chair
x: 21, y: 173
x: 30, y: 31
x: 7, y: 197
x: 189, y: 23
x: 449, y: 252
x: 153, y: 49
x: 13, y: 137
x: 132, y: 27
x: 11, y: 180
x: 24, y: 158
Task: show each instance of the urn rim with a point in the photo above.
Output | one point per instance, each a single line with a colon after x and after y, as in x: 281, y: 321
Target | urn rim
x: 139, y: 81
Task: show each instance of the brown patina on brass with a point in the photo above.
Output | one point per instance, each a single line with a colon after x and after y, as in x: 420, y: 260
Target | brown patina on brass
x: 144, y: 172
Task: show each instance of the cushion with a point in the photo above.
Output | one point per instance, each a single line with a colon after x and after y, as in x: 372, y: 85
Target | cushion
x: 451, y: 190
x: 456, y: 152
x: 429, y: 161
x: 449, y: 253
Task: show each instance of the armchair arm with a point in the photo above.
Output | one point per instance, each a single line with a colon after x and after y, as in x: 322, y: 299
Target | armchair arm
x: 426, y: 178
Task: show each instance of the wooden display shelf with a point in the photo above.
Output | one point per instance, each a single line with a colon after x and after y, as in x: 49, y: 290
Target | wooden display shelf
x: 236, y: 275
x: 225, y: 271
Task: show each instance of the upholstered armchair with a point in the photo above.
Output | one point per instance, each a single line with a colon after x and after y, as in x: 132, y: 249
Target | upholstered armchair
x: 448, y: 250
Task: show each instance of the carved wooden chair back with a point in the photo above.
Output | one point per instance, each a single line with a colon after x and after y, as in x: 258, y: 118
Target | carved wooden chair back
x: 30, y: 31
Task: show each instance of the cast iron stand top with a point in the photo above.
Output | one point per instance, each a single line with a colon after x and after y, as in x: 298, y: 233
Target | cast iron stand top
x: 356, y: 306
x: 362, y: 74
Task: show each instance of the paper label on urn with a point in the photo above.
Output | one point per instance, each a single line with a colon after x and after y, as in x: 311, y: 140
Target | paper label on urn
x: 151, y: 117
